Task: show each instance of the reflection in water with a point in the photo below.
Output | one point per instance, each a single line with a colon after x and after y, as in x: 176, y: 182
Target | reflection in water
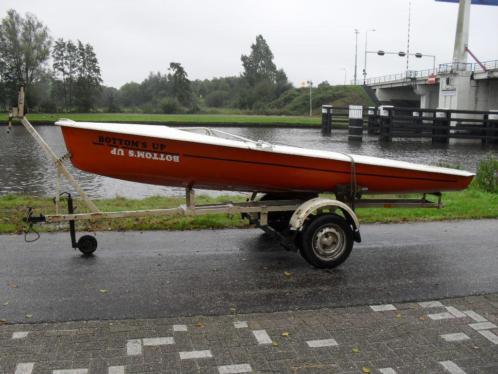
x: 24, y: 168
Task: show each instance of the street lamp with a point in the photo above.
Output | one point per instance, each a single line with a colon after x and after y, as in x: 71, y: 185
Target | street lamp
x: 356, y: 56
x: 403, y: 54
x: 365, y: 62
x: 310, y: 84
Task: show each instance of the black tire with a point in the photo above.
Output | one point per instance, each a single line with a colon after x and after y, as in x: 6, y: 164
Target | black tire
x: 327, y: 241
x: 87, y: 244
x: 279, y: 221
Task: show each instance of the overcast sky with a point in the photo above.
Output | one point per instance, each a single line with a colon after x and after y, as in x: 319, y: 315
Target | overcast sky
x: 310, y: 39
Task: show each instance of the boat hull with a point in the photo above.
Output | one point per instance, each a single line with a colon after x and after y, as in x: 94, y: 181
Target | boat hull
x: 208, y: 166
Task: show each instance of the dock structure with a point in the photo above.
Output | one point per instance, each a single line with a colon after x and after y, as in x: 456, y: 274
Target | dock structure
x: 388, y: 122
x: 439, y: 125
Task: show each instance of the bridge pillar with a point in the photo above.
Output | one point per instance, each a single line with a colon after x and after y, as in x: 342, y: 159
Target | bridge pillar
x: 386, y: 116
x: 417, y: 121
x: 429, y: 95
x: 373, y: 121
x: 441, y: 127
x: 355, y: 128
x: 491, y: 123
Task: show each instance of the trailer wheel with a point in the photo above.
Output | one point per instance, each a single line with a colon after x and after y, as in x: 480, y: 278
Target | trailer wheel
x: 327, y: 241
x: 87, y: 244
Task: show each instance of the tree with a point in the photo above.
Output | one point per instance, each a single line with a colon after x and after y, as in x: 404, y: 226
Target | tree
x: 72, y: 63
x: 109, y: 100
x: 3, y: 88
x: 131, y: 94
x: 262, y: 81
x: 155, y: 87
x: 281, y: 82
x: 259, y: 64
x: 181, y: 84
x: 216, y: 98
x: 60, y: 66
x: 24, y: 49
x: 77, y: 72
x: 88, y: 83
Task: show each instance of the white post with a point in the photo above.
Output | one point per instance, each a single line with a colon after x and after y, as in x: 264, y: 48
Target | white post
x: 462, y: 32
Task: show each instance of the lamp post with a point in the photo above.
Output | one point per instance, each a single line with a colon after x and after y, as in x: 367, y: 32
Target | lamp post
x: 365, y: 61
x: 356, y: 56
x: 310, y: 84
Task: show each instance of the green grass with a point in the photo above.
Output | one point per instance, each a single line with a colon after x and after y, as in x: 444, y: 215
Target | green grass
x: 177, y: 118
x: 468, y: 204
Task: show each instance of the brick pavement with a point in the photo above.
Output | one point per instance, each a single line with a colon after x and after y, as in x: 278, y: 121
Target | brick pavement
x: 446, y: 336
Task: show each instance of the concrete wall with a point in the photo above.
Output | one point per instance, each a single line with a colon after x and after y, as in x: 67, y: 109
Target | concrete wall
x: 460, y: 91
x: 397, y: 95
x: 486, y: 97
x: 429, y: 95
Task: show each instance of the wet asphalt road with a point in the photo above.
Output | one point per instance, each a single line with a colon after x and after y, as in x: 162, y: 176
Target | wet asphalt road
x: 161, y: 274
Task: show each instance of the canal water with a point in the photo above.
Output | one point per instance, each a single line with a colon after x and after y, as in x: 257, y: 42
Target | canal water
x: 25, y: 169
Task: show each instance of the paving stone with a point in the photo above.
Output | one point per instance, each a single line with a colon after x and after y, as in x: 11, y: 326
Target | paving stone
x: 413, y: 338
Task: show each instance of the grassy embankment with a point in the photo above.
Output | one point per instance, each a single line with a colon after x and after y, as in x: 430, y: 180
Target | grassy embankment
x: 187, y: 119
x: 469, y: 204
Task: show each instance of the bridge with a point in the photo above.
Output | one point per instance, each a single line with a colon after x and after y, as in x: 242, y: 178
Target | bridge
x: 433, y: 88
x: 421, y: 76
x: 458, y: 85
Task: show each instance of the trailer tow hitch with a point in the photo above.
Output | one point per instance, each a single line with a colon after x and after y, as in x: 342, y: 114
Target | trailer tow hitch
x: 30, y: 219
x: 87, y: 244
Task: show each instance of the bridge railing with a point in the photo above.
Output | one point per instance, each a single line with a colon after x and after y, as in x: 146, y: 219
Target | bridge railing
x: 489, y: 65
x: 455, y: 66
x: 421, y: 74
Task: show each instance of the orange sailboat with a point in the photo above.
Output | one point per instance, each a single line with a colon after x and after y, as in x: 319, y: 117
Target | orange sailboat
x: 173, y: 157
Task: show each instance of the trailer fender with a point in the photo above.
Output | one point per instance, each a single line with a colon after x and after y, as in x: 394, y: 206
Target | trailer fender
x: 301, y: 214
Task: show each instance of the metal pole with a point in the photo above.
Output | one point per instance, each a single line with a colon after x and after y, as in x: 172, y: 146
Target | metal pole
x: 311, y: 107
x: 408, y: 39
x: 365, y: 61
x: 356, y: 57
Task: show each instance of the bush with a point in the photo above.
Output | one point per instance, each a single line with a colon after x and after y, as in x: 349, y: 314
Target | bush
x: 216, y: 99
x: 48, y: 107
x: 487, y: 174
x: 170, y: 105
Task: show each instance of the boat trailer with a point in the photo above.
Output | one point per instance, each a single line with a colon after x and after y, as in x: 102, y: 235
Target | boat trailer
x: 322, y: 229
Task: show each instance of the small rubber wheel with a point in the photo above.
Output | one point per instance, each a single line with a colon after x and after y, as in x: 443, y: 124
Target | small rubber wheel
x: 327, y: 241
x: 87, y: 244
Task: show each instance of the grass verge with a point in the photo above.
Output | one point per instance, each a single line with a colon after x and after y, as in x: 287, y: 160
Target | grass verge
x: 177, y: 118
x: 468, y: 204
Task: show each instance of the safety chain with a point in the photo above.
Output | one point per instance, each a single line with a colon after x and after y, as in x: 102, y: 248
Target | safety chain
x: 30, y: 229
